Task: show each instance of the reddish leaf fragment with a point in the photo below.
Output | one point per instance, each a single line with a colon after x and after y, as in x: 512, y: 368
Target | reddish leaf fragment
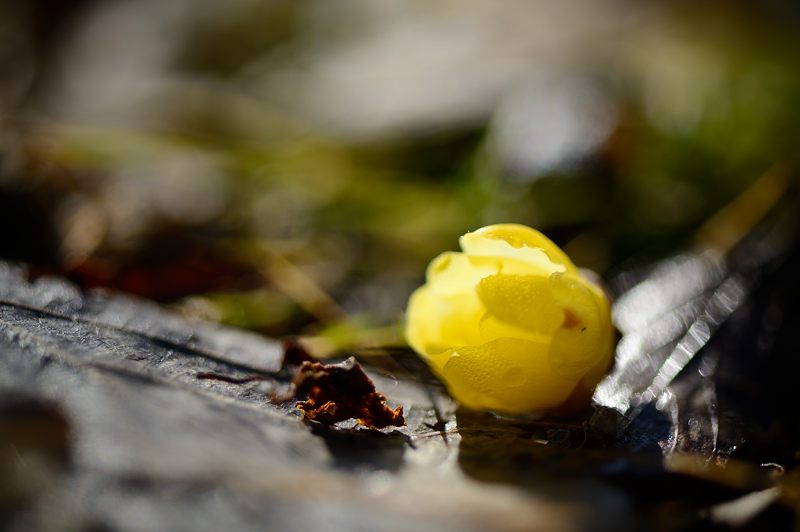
x: 343, y: 391
x: 294, y: 354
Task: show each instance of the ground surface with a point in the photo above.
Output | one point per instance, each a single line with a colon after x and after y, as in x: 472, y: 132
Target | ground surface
x: 105, y: 425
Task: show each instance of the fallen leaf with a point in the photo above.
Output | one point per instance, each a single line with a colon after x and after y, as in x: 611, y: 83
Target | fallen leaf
x: 336, y: 392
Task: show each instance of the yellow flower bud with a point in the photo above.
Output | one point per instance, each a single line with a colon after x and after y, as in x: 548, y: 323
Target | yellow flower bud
x: 510, y: 325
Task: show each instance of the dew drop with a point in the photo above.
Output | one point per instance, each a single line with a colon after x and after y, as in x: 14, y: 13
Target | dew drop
x: 514, y: 377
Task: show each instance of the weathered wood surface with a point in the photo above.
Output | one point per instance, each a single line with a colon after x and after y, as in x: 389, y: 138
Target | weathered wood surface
x: 142, y: 444
x: 104, y: 425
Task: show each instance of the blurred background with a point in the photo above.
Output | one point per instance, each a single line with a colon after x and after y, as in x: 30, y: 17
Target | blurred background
x: 291, y: 166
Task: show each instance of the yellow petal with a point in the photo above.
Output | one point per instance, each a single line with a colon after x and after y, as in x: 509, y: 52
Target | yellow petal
x: 493, y: 328
x: 525, y: 301
x: 582, y: 340
x: 436, y: 322
x: 453, y: 272
x: 517, y: 242
x: 507, y: 375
